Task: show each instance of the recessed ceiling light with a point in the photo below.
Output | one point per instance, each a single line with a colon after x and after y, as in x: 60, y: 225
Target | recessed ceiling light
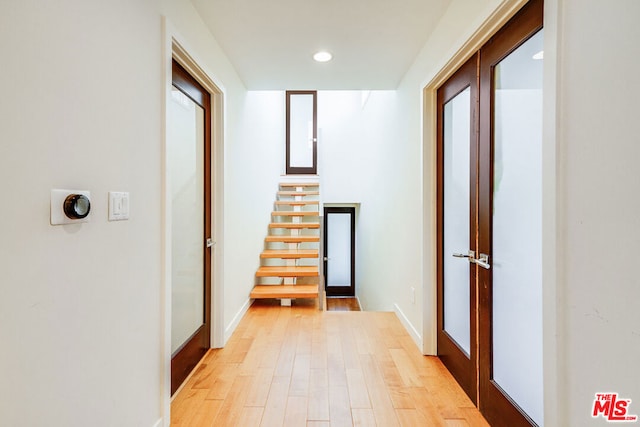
x: 539, y: 55
x: 322, y: 56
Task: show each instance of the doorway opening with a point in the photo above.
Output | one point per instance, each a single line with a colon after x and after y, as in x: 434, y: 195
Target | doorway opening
x: 340, y: 251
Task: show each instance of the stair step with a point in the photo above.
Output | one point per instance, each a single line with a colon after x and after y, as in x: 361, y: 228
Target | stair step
x: 297, y: 202
x: 288, y: 271
x: 294, y: 225
x: 284, y: 291
x: 299, y: 184
x: 292, y: 239
x: 289, y: 254
x: 294, y: 213
x: 298, y: 193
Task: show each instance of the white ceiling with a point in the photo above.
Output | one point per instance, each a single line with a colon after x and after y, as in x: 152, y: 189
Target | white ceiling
x: 271, y: 42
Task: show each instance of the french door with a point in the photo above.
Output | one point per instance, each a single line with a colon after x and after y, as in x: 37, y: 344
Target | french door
x: 189, y: 169
x: 490, y: 192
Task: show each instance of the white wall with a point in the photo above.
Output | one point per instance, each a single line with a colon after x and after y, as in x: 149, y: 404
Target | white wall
x: 454, y: 33
x: 79, y: 304
x: 253, y: 164
x: 598, y: 204
x: 366, y: 158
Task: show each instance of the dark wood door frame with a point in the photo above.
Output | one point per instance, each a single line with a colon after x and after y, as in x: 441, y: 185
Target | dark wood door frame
x: 341, y: 290
x: 293, y: 170
x: 188, y: 355
x: 495, y: 404
x: 461, y: 366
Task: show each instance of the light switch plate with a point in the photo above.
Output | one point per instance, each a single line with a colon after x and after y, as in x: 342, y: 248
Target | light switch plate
x: 118, y: 205
x: 57, y: 207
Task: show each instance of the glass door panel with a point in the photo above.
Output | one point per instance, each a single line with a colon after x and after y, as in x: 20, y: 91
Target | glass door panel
x: 456, y: 221
x: 457, y: 233
x: 339, y: 249
x: 301, y: 131
x: 517, y: 226
x: 185, y: 154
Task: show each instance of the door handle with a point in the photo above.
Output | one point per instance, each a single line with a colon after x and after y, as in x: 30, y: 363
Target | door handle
x: 483, y: 261
x: 471, y: 255
x: 210, y: 242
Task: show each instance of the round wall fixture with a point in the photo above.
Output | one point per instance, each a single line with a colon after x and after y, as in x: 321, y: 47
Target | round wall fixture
x: 77, y: 206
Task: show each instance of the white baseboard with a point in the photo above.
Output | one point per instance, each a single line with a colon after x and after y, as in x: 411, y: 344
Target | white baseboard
x: 236, y: 320
x: 159, y: 423
x: 413, y: 332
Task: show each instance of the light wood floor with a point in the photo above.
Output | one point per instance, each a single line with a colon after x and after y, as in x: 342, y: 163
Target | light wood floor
x: 343, y: 304
x: 297, y: 366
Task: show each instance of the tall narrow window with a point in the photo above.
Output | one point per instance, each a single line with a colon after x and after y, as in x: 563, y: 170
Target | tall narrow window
x: 302, y: 132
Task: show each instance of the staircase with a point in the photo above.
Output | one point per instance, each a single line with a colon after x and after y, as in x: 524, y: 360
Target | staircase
x: 289, y: 263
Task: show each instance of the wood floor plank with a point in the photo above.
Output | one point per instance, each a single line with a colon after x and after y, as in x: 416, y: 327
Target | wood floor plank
x: 378, y: 393
x: 287, y: 354
x: 231, y: 409
x: 406, y: 368
x: 250, y: 416
x: 401, y: 397
x: 206, y: 413
x: 276, y: 404
x: 358, y: 394
x: 183, y: 405
x: 391, y: 374
x: 318, y: 404
x: 364, y: 417
x: 224, y: 381
x: 300, y: 376
x: 338, y: 408
x: 410, y: 418
x: 456, y: 423
x: 258, y: 390
x: 424, y: 403
x: 296, y: 411
x: 474, y: 417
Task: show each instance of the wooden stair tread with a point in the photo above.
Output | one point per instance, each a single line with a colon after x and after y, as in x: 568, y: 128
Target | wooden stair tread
x: 294, y: 213
x: 297, y: 202
x: 289, y: 253
x: 288, y: 271
x: 298, y: 193
x: 284, y: 291
x: 292, y: 239
x: 294, y: 225
x: 299, y: 184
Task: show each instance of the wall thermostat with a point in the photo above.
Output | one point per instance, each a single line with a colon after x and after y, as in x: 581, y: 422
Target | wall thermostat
x: 70, y: 206
x: 76, y: 206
